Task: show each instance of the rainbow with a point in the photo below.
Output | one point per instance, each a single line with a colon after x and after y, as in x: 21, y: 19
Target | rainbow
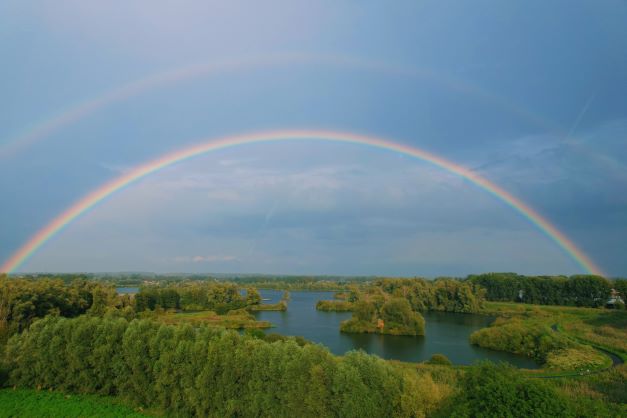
x: 98, y: 195
x: 46, y: 127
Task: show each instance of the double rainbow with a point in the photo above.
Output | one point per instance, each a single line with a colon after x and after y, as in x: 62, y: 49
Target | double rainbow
x: 93, y: 198
x: 45, y: 128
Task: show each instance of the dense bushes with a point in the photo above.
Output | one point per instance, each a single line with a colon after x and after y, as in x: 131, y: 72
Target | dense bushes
x: 490, y: 390
x: 189, y: 371
x: 24, y: 300
x: 521, y: 336
x: 440, y: 359
x: 578, y: 290
x: 534, y: 338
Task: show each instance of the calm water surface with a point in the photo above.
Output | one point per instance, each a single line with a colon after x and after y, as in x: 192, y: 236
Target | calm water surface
x: 127, y: 290
x: 446, y: 333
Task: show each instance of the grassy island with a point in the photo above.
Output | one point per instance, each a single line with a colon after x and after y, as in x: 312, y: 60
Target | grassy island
x: 235, y: 319
x: 394, y: 317
x: 334, y: 306
x: 281, y: 306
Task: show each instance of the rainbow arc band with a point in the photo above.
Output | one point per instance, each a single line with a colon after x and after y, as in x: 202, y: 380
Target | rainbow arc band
x: 96, y: 196
x: 46, y: 127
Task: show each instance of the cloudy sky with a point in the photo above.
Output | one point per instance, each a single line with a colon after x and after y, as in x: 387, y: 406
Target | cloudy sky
x: 529, y: 94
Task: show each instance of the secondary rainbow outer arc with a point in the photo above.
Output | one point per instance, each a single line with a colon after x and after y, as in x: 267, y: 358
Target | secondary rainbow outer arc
x: 93, y: 198
x: 147, y: 83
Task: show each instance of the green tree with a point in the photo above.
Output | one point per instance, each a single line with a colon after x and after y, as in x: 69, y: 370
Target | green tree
x: 491, y: 390
x: 252, y: 296
x: 365, y: 311
x: 588, y: 290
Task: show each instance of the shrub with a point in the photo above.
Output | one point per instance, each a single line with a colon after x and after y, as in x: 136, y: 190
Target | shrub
x: 520, y: 336
x: 440, y: 359
x: 490, y: 390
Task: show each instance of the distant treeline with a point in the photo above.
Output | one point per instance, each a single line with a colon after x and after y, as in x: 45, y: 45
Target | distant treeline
x: 576, y: 290
x: 186, y: 371
x: 196, y: 296
x: 442, y: 294
x: 300, y: 282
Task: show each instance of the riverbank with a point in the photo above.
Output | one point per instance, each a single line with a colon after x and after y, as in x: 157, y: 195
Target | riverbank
x: 568, y: 341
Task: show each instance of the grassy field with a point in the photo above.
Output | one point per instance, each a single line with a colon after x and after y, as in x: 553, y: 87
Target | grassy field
x: 239, y: 319
x: 597, y: 327
x: 33, y: 403
x: 573, y: 339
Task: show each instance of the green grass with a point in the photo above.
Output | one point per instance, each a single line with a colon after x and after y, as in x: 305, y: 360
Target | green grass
x: 33, y: 403
x: 234, y: 320
x: 585, y: 327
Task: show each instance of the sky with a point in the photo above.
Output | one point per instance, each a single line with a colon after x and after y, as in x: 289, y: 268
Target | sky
x: 528, y: 94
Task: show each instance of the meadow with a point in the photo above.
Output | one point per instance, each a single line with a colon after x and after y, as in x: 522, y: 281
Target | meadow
x: 40, y: 403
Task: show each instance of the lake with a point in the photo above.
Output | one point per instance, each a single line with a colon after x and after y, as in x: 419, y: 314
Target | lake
x: 127, y: 290
x: 446, y: 333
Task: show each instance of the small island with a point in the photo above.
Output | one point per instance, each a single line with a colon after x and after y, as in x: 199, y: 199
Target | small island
x: 334, y: 306
x: 234, y: 319
x: 394, y: 316
x: 280, y: 306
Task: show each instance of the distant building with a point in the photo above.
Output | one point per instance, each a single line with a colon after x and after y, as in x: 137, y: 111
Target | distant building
x: 615, y: 300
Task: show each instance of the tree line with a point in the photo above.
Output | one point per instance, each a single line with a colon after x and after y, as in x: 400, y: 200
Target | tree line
x: 24, y: 300
x: 577, y: 290
x: 196, y: 296
x: 198, y: 371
